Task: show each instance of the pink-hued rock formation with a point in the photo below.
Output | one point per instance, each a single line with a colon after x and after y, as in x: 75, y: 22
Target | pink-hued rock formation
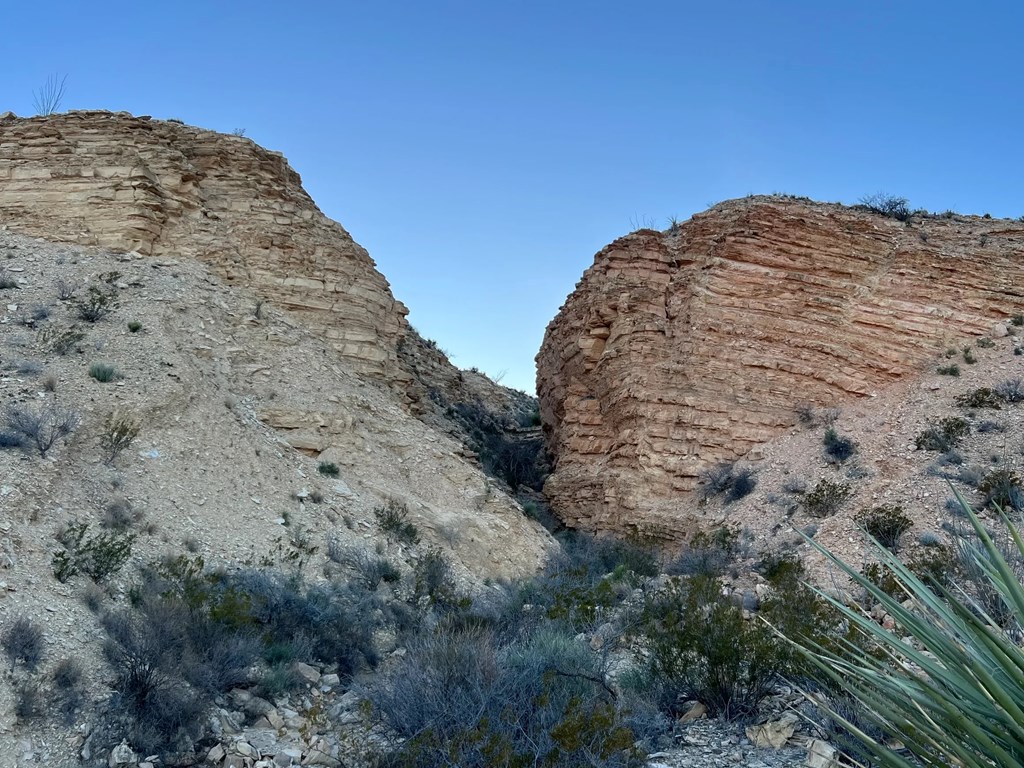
x: 685, y: 348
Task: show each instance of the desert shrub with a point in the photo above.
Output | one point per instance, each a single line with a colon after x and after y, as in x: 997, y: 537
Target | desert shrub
x: 985, y: 342
x: 42, y: 428
x: 102, y: 372
x: 708, y: 553
x: 371, y: 569
x: 517, y: 459
x: 465, y: 697
x: 943, y: 435
x: 7, y: 280
x: 434, y: 583
x: 393, y: 520
x: 328, y: 468
x: 580, y: 585
x: 66, y: 289
x: 700, y: 646
x: 725, y: 478
x: 948, y: 370
x: 988, y: 427
x: 886, y: 524
x: 119, y: 515
x: 1002, y: 489
x: 827, y: 496
x: 983, y: 397
x: 22, y: 641
x: 96, y: 305
x: 68, y: 682
x: 10, y: 439
x: 962, y: 714
x: 99, y: 557
x: 969, y: 357
x: 935, y: 563
x: 118, y: 433
x: 134, y: 326
x: 797, y: 485
x: 838, y: 447
x: 889, y: 206
x: 1011, y: 390
x: 61, y: 340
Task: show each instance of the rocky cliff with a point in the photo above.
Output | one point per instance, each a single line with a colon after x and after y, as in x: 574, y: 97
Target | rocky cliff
x: 165, y: 189
x: 685, y: 348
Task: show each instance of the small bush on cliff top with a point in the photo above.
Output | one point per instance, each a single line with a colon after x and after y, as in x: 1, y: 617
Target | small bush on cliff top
x: 887, y: 205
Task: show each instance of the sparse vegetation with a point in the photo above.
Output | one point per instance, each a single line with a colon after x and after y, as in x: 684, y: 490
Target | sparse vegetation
x: 1011, y: 390
x: 889, y: 206
x: 96, y: 305
x: 103, y: 372
x: 985, y: 343
x: 727, y: 479
x: 42, y: 428
x: 886, y: 524
x: 119, y: 431
x: 22, y: 641
x: 61, y: 341
x: 99, y: 557
x: 944, y: 435
x: 134, y: 326
x: 328, y: 469
x: 948, y: 370
x: 827, y: 496
x: 393, y: 521
x: 1002, y: 490
x: 983, y: 397
x: 838, y: 447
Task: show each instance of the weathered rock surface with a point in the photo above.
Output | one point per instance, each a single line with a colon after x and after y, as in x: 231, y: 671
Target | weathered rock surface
x: 166, y: 189
x: 684, y: 348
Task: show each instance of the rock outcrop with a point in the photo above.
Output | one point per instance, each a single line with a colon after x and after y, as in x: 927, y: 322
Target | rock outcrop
x: 685, y: 348
x: 165, y: 189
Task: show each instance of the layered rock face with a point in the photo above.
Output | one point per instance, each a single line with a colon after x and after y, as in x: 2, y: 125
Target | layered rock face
x: 685, y: 348
x: 165, y: 189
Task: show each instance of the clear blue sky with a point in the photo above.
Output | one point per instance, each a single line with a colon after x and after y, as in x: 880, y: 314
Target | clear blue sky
x: 484, y: 151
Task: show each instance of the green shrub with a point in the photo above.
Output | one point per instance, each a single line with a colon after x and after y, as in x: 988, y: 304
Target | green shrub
x: 700, y: 646
x: 328, y: 468
x: 983, y: 397
x: 134, y: 326
x: 102, y: 372
x: 60, y: 341
x: 969, y: 357
x: 1002, y: 490
x: 96, y: 305
x: 119, y: 431
x: 708, y: 553
x: 837, y: 447
x: 948, y: 370
x: 886, y: 524
x: 825, y: 499
x: 944, y: 435
x: 471, y: 698
x: 1017, y: 320
x: 942, y: 710
x: 98, y: 557
x: 393, y: 520
x: 985, y: 343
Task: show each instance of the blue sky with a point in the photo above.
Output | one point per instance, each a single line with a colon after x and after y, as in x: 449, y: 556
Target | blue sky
x: 484, y: 151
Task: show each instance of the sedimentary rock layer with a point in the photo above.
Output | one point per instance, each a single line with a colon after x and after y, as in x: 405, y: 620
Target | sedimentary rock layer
x: 685, y: 348
x: 166, y: 189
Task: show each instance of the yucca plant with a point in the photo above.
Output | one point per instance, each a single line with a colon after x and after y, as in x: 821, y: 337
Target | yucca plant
x: 954, y: 696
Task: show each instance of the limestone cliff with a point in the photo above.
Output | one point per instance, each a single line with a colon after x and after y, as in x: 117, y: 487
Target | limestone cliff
x: 684, y: 348
x: 166, y: 189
